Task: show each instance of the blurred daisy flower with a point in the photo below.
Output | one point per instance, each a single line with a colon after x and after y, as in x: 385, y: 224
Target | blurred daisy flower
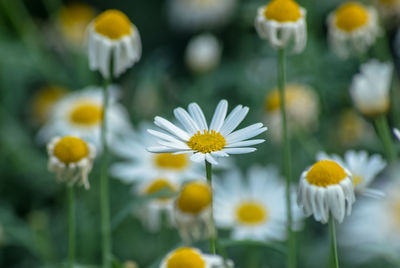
x: 80, y: 114
x: 397, y: 133
x: 203, y: 53
x: 353, y: 27
x: 192, y: 257
x: 364, y: 169
x: 370, y: 88
x: 205, y: 142
x: 112, y: 37
x: 302, y: 109
x: 282, y: 22
x: 256, y: 209
x: 353, y: 129
x: 71, y: 158
x: 326, y: 190
x: 195, y: 15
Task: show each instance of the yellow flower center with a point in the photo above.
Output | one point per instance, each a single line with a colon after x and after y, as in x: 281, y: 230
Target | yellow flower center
x: 86, y: 113
x: 158, y: 185
x: 357, y: 180
x: 325, y: 173
x: 113, y: 24
x: 44, y: 100
x: 351, y: 16
x: 194, y: 197
x: 207, y: 142
x: 185, y: 258
x: 171, y: 161
x: 283, y: 11
x: 70, y: 150
x: 251, y: 213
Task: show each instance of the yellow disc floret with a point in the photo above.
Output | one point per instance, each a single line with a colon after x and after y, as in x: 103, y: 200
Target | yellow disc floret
x: 86, y: 113
x: 325, y: 173
x: 351, y: 16
x: 207, y: 142
x: 113, y: 24
x: 158, y: 185
x: 70, y: 150
x: 171, y: 161
x: 194, y: 197
x: 185, y: 258
x: 283, y: 11
x: 251, y: 213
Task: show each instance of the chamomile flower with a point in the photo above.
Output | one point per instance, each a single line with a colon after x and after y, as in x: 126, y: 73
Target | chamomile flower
x: 192, y: 258
x: 195, y: 15
x: 397, y: 133
x: 205, y: 142
x: 370, y: 88
x: 364, y: 169
x: 352, y: 27
x: 326, y: 190
x: 71, y: 158
x: 112, y: 37
x: 282, y: 22
x: 255, y: 209
x: 81, y: 113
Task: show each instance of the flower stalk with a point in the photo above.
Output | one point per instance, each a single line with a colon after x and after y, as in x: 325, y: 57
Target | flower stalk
x: 384, y: 133
x: 334, y: 254
x: 213, y: 236
x: 71, y: 225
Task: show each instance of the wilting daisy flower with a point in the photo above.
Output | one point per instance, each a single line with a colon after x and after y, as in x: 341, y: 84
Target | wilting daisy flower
x: 255, y: 209
x: 192, y: 257
x: 363, y: 168
x: 193, y: 211
x: 302, y: 109
x: 353, y: 27
x: 205, y: 142
x: 397, y: 133
x: 203, y: 53
x: 370, y: 88
x: 194, y: 15
x: 80, y: 114
x: 282, y: 22
x: 71, y: 158
x: 112, y: 37
x: 326, y: 189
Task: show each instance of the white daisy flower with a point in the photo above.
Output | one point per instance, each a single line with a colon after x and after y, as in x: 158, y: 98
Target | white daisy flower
x: 71, y: 158
x: 194, y: 15
x: 370, y: 88
x: 80, y: 114
x: 363, y: 168
x: 192, y: 257
x: 353, y: 27
x: 205, y: 142
x: 326, y: 189
x: 397, y: 133
x: 256, y: 209
x: 282, y: 22
x: 112, y: 36
x: 203, y: 53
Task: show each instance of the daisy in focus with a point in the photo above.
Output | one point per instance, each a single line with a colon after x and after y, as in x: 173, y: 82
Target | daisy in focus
x: 326, y: 190
x: 205, y: 142
x: 81, y: 114
x: 113, y: 43
x: 192, y: 258
x: 254, y: 210
x: 364, y: 169
x: 352, y: 28
x: 282, y: 22
x: 71, y: 158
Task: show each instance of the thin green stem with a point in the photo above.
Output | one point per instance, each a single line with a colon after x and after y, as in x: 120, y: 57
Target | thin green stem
x: 384, y: 133
x: 334, y: 254
x: 287, y: 165
x: 213, y: 237
x: 104, y: 191
x: 71, y: 226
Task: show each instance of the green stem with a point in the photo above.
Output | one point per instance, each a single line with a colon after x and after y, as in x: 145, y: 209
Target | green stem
x: 334, y: 254
x: 384, y: 133
x: 104, y: 192
x: 287, y: 165
x: 213, y: 237
x: 71, y: 226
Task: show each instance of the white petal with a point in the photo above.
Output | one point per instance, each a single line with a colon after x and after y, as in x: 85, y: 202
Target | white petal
x: 244, y: 143
x: 198, y: 157
x: 234, y: 119
x: 219, y: 115
x: 162, y: 149
x: 165, y: 124
x: 239, y: 150
x: 186, y: 120
x: 246, y: 133
x: 162, y: 136
x: 198, y: 115
x: 211, y: 159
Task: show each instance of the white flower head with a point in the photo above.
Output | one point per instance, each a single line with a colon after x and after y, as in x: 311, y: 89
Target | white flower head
x: 255, y: 209
x: 282, y: 22
x: 326, y: 190
x: 112, y: 36
x: 397, y: 133
x: 352, y: 28
x: 370, y: 88
x: 205, y: 142
x: 203, y: 53
x: 71, y: 158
